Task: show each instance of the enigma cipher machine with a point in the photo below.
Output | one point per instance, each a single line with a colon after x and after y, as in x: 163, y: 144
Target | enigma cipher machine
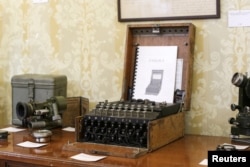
x: 123, y: 123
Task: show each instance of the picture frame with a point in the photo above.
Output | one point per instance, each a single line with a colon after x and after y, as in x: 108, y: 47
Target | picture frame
x: 157, y: 10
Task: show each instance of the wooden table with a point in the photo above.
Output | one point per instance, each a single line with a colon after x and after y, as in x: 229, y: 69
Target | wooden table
x: 185, y: 152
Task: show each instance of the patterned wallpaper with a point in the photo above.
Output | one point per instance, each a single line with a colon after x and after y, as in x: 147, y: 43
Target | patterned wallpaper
x: 83, y: 40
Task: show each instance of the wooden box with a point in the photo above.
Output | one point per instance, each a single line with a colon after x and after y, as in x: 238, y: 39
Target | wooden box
x: 165, y: 129
x: 161, y: 132
x: 76, y: 106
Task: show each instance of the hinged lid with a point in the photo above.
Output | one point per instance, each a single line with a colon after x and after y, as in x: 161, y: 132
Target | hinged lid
x: 181, y: 35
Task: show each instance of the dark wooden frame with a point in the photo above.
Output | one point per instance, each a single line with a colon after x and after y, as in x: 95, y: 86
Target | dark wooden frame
x: 182, y: 16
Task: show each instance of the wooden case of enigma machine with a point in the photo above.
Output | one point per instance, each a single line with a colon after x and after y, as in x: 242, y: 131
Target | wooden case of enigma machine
x: 158, y: 60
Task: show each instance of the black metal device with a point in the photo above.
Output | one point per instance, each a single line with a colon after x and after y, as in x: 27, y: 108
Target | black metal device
x: 42, y: 115
x: 241, y: 124
x: 3, y: 135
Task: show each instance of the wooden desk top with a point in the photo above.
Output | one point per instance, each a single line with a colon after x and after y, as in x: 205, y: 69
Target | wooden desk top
x: 185, y: 152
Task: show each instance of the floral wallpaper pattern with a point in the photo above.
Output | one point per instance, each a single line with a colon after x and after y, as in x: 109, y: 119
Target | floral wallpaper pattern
x: 84, y: 40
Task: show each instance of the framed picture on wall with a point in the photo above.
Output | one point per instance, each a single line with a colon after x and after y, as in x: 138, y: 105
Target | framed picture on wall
x: 155, y: 10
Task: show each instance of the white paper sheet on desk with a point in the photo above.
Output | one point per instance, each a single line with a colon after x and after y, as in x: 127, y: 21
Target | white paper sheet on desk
x: 238, y: 147
x: 29, y: 144
x: 86, y: 157
x: 12, y: 129
x: 69, y: 129
x: 204, y: 162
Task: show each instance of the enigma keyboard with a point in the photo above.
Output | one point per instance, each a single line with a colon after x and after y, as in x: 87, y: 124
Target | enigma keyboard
x: 123, y: 123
